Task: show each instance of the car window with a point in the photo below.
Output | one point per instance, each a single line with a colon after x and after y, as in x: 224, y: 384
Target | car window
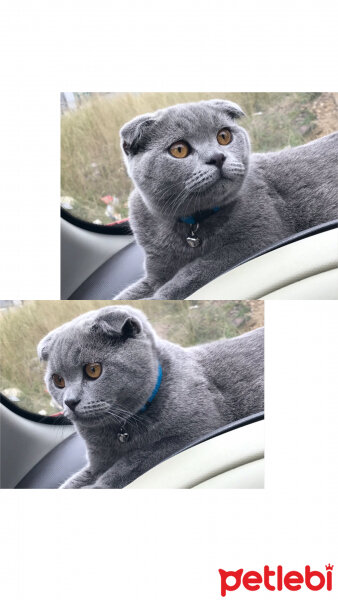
x: 24, y: 324
x: 94, y: 183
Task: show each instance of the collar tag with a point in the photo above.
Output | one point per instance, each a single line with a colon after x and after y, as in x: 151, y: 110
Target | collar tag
x: 123, y: 436
x: 192, y: 239
x: 194, y: 221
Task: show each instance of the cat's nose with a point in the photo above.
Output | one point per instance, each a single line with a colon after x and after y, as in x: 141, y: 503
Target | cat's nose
x: 72, y: 403
x: 217, y: 159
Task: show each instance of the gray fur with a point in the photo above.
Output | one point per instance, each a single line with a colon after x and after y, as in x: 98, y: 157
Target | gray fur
x: 263, y: 197
x: 203, y: 388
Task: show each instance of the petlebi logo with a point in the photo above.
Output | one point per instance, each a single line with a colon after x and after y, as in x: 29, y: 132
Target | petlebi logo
x: 276, y: 579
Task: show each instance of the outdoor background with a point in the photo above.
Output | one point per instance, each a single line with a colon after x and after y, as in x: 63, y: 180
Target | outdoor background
x: 22, y: 325
x: 94, y: 182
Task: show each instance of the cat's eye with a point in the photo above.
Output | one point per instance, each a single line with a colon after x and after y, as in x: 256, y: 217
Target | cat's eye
x: 93, y: 370
x: 179, y: 149
x: 58, y: 380
x: 224, y: 137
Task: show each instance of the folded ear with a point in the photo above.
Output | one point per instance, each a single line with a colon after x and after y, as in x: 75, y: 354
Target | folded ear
x: 135, y: 134
x: 116, y: 320
x: 230, y: 108
x: 43, y: 347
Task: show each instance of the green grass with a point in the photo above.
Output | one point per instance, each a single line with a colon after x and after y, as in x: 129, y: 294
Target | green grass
x: 184, y: 322
x: 91, y: 160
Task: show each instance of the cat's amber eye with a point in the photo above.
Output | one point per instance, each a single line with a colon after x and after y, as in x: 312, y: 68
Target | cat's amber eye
x: 93, y: 370
x: 58, y: 380
x: 179, y: 149
x: 224, y: 137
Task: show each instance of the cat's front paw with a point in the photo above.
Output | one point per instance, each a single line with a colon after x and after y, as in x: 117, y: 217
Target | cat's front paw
x: 69, y: 485
x: 167, y: 295
x: 121, y: 296
x: 79, y: 480
x: 92, y: 487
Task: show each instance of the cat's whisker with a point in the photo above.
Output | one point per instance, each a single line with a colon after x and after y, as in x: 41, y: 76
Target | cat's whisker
x: 135, y: 420
x: 175, y: 201
x: 131, y: 416
x: 164, y: 191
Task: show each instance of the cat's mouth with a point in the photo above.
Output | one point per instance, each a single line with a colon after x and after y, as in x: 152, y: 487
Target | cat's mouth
x: 83, y: 416
x: 216, y: 193
x: 213, y: 187
x: 220, y: 179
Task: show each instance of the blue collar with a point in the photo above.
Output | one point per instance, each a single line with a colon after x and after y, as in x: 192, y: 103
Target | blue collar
x: 199, y: 216
x: 155, y: 390
x: 122, y: 435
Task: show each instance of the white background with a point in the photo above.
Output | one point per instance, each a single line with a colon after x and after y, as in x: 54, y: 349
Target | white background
x: 165, y: 544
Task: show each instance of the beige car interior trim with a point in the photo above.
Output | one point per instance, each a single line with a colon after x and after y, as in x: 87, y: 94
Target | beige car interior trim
x: 82, y: 252
x: 207, y: 460
x: 249, y: 476
x: 278, y: 269
x: 323, y: 286
x: 24, y: 443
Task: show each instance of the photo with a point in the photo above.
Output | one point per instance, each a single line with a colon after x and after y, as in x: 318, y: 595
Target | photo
x: 137, y: 394
x: 202, y: 196
x: 168, y: 300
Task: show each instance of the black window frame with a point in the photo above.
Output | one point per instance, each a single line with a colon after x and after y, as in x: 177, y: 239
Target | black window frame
x: 117, y: 228
x: 30, y: 416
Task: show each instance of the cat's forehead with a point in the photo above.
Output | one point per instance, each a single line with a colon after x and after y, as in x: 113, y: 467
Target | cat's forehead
x: 75, y: 346
x: 70, y: 346
x: 191, y: 118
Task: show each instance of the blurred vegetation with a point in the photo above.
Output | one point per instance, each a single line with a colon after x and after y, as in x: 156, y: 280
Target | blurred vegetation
x: 183, y: 322
x: 91, y: 161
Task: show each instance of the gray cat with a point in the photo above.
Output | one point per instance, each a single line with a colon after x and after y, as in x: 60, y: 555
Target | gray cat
x: 136, y: 399
x: 202, y: 203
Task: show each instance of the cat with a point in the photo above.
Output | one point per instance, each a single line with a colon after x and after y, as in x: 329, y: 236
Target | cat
x: 202, y: 203
x: 137, y: 399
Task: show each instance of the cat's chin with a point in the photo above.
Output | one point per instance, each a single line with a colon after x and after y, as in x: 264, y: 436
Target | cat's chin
x: 217, y: 195
x: 93, y: 420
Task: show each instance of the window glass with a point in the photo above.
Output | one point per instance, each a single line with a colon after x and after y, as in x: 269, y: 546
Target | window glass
x: 94, y: 182
x: 24, y: 324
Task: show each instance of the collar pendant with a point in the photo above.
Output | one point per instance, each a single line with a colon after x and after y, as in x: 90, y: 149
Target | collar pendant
x: 192, y: 240
x: 123, y: 436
